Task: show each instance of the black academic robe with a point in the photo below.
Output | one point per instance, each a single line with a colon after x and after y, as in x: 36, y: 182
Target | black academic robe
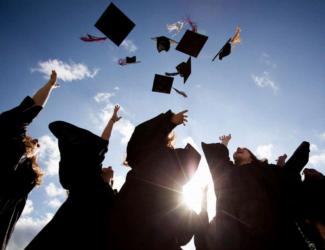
x: 17, y: 177
x: 148, y: 213
x: 254, y: 204
x: 82, y: 220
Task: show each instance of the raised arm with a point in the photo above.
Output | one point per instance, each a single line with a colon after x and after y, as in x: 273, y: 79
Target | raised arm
x: 109, y: 127
x: 224, y: 139
x: 41, y: 96
x: 299, y: 158
x: 217, y: 155
x: 152, y: 135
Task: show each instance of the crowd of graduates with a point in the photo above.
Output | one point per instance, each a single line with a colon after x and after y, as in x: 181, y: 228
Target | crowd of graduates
x: 259, y: 205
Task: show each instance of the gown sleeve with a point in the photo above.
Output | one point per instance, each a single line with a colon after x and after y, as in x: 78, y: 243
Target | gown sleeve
x: 149, y: 137
x: 299, y: 158
x: 13, y: 124
x: 217, y: 156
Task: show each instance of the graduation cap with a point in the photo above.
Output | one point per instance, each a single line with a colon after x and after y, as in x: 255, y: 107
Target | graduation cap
x: 182, y: 93
x: 163, y: 43
x: 191, y: 43
x: 226, y: 49
x: 128, y: 60
x: 183, y: 69
x: 79, y: 149
x: 114, y: 24
x: 162, y: 84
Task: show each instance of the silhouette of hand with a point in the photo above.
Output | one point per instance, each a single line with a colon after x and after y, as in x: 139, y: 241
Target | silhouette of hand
x: 53, y: 78
x: 179, y: 118
x: 225, y: 139
x: 281, y: 161
x: 115, y: 117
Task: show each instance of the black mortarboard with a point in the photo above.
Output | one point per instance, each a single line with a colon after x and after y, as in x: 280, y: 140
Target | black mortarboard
x: 114, y: 24
x: 79, y: 149
x: 183, y: 69
x: 191, y: 43
x: 132, y: 59
x: 163, y: 43
x: 162, y: 84
x: 225, y: 50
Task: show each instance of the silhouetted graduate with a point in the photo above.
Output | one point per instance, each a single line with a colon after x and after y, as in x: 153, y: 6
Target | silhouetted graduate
x: 312, y: 221
x: 252, y: 208
x: 19, y: 171
x: 149, y: 213
x: 82, y: 222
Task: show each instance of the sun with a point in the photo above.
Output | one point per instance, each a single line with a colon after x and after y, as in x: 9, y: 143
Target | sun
x: 193, y: 190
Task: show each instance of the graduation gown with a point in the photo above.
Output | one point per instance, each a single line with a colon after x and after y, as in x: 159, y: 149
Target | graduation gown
x: 254, y: 204
x: 82, y: 220
x: 148, y: 213
x: 17, y: 177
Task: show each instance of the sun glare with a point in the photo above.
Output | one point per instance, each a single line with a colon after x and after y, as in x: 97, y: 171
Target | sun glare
x: 192, y: 191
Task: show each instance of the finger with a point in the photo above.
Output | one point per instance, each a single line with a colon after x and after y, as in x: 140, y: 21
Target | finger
x: 184, y: 111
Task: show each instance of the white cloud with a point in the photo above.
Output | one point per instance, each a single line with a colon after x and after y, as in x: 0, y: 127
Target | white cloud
x: 313, y: 148
x: 124, y: 127
x: 265, y: 81
x: 49, y: 154
x: 264, y: 151
x: 129, y: 45
x: 28, y: 209
x: 103, y: 97
x: 52, y: 190
x: 266, y: 59
x: 55, y: 203
x: 26, y: 229
x: 322, y: 136
x: 116, y: 88
x: 317, y: 159
x: 65, y: 71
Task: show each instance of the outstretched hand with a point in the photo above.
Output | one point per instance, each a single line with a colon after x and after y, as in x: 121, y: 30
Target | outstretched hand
x: 115, y: 117
x: 52, y: 80
x: 179, y: 118
x: 225, y: 139
x: 281, y: 160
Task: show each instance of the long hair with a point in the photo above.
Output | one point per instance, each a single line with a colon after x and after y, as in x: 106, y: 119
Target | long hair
x: 255, y: 160
x: 170, y: 143
x: 171, y: 140
x: 31, y: 145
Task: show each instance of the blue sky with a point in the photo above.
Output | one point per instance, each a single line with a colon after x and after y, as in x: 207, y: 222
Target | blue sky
x: 269, y: 93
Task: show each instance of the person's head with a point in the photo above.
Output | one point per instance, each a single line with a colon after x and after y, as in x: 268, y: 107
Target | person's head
x: 107, y: 174
x: 243, y: 156
x: 32, y: 147
x: 171, y: 139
